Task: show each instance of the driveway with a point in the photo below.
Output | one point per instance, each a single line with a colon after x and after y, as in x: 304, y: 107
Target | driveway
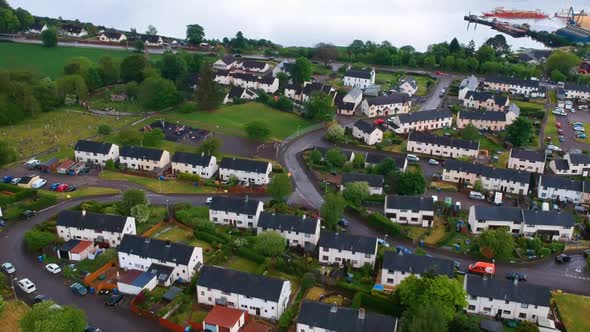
x: 434, y: 99
x: 568, y: 131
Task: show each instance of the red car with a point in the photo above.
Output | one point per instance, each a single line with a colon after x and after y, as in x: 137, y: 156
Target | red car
x: 378, y: 122
x: 438, y: 73
x: 557, y: 124
x: 62, y: 188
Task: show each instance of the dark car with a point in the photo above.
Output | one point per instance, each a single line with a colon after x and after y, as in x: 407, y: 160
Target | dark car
x: 7, y: 178
x: 41, y: 298
x: 54, y: 186
x: 343, y: 222
x: 90, y: 328
x: 113, y: 300
x: 516, y: 275
x: 27, y: 214
x: 70, y: 188
x: 563, y: 258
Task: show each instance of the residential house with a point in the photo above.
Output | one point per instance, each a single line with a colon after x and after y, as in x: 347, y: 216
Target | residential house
x: 557, y: 226
x: 512, y: 85
x: 268, y: 84
x: 576, y: 91
x: 441, y: 146
x: 244, y: 80
x: 526, y: 160
x: 398, y: 266
x: 299, y: 231
x: 361, y: 78
x: 347, y: 249
x: 37, y: 28
x: 348, y: 154
x: 258, y: 295
x: 112, y: 36
x: 497, y: 297
x: 106, y: 230
x: 493, y: 179
x: 152, y: 40
x: 144, y: 159
x: 247, y: 81
x: 347, y: 104
x: 201, y: 164
x: 483, y: 120
x: 236, y: 93
x: 367, y: 132
x: 245, y: 170
x: 571, y: 164
x: 375, y: 181
x: 470, y: 83
x: 169, y: 261
x: 235, y: 211
x: 408, y: 85
x: 72, y: 30
x: 533, y: 57
x: 373, y: 159
x: 76, y: 250
x: 223, y: 77
x: 485, y: 100
x: 562, y: 189
x: 421, y: 121
x: 302, y: 94
x: 283, y: 67
x: 394, y: 103
x: 372, y: 90
x: 482, y: 218
x: 317, y: 316
x: 228, y: 62
x: 411, y: 210
x: 225, y: 319
x: 254, y: 66
x: 96, y: 152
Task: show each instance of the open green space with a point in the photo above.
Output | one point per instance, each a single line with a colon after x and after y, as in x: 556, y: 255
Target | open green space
x: 424, y: 82
x: 157, y: 186
x: 157, y: 214
x: 574, y: 311
x: 527, y: 104
x: 320, y: 69
x: 50, y: 61
x: 241, y: 264
x: 551, y: 130
x: 84, y: 192
x: 231, y: 120
x: 387, y: 80
x: 180, y: 235
x: 12, y: 314
x: 102, y: 101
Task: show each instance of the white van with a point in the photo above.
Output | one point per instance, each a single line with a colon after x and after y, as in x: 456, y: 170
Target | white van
x: 476, y: 195
x: 545, y: 206
x: 412, y: 158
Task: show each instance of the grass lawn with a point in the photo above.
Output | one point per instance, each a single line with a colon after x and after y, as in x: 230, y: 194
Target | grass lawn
x: 553, y: 97
x: 320, y: 69
x: 155, y: 185
x: 314, y: 293
x: 502, y: 160
x: 295, y: 282
x: 180, y: 235
x: 157, y: 214
x: 526, y: 104
x: 12, y: 314
x: 551, y: 130
x: 387, y: 80
x: 444, y: 186
x: 100, y: 103
x: 241, y: 264
x: 414, y: 232
x: 574, y: 311
x: 231, y: 120
x: 587, y: 139
x: 487, y: 143
x: 50, y: 61
x: 423, y: 83
x: 437, y: 233
x: 84, y: 192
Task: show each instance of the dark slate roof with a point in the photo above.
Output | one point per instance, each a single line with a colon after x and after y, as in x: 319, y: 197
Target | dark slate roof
x: 267, y: 80
x: 245, y: 76
x: 96, y: 221
x: 253, y: 64
x: 393, y: 98
x: 94, y: 147
x: 286, y: 222
x: 484, y: 96
x: 236, y: 92
x: 359, y: 73
x: 228, y: 59
x: 528, y: 155
x: 313, y: 87
x: 375, y: 158
x: 483, y: 116
x: 495, y: 213
x: 247, y: 165
x: 247, y: 284
x: 561, y: 182
x: 579, y: 158
x: 156, y: 249
x: 69, y: 245
x: 409, y: 203
x: 501, y: 289
x: 36, y: 26
x: 428, y: 138
x: 234, y: 204
x: 548, y: 218
x: 72, y: 28
x: 576, y: 87
x: 366, y: 127
x: 421, y: 116
x: 512, y: 81
x: 489, y: 172
x: 193, y: 159
x: 374, y: 180
x: 141, y: 153
x: 319, y: 314
x: 152, y: 39
x: 344, y: 241
x: 222, y: 73
x: 561, y: 164
x: 113, y: 34
x: 418, y: 264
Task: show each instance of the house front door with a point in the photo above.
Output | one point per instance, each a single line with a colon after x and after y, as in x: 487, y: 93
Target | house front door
x: 257, y: 311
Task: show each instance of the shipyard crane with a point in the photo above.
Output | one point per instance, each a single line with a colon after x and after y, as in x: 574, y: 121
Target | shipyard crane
x: 573, y: 19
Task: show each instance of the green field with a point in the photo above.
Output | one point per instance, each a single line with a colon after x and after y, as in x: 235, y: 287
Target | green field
x: 526, y: 104
x: 241, y: 264
x: 574, y: 311
x: 231, y: 120
x: 49, y: 61
x: 551, y: 130
x: 12, y: 314
x: 157, y: 186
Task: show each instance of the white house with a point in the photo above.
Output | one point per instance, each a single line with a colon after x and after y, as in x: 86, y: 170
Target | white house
x: 408, y: 85
x: 324, y: 317
x: 245, y: 170
x: 493, y: 179
x: 483, y: 120
x: 375, y: 181
x: 258, y: 295
x: 441, y: 146
x: 226, y: 63
x: 576, y: 91
x: 152, y: 40
x: 394, y: 103
x: 96, y: 152
x: 283, y: 67
x: 359, y: 77
x: 107, y: 230
x: 347, y: 249
x: 347, y: 104
x: 169, y: 261
x: 367, y: 132
x: 559, y: 188
x: 411, y: 210
x: 571, y: 164
x: 470, y: 83
x: 202, y: 165
x: 254, y: 66
x: 485, y: 100
x: 373, y: 159
x: 235, y: 211
x: 268, y: 84
x: 112, y: 36
x: 144, y: 159
x: 237, y: 93
x: 72, y: 30
x: 420, y: 121
x: 299, y: 231
x: 512, y: 85
x: 37, y: 28
x: 497, y: 297
x: 398, y: 266
x: 526, y: 160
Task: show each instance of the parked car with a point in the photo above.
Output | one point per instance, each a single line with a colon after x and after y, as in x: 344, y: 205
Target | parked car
x: 559, y: 111
x: 560, y: 132
x: 516, y: 275
x: 27, y: 286
x: 581, y: 135
x: 8, y: 268
x: 27, y: 214
x: 534, y: 206
x: 383, y: 243
x: 104, y: 292
x: 561, y: 139
x: 476, y: 195
x: 208, y: 200
x: 412, y: 158
x: 53, y: 268
x: 403, y: 250
x: 41, y: 298
x: 78, y: 289
x: 70, y: 188
x: 563, y: 258
x: 483, y: 268
x: 579, y: 128
x: 558, y: 124
x: 433, y: 162
x: 577, y: 123
x: 582, y: 107
x: 32, y: 164
x: 90, y: 328
x: 569, y: 104
x: 38, y: 183
x: 580, y: 208
x: 62, y: 188
x: 7, y: 178
x: 343, y: 222
x: 15, y: 180
x: 113, y: 300
x: 553, y: 148
x: 54, y: 186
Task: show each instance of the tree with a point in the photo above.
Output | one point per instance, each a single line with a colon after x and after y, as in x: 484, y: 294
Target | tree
x: 495, y: 243
x: 454, y: 46
x: 430, y: 61
x: 332, y: 210
x: 526, y: 326
x: 335, y: 158
x: 24, y: 18
x: 139, y: 45
x: 257, y: 130
x: 411, y: 183
x: 283, y: 80
x: 49, y: 37
x: 356, y: 192
x: 470, y: 132
x: 7, y: 153
x: 157, y: 93
x: 173, y: 66
x: 280, y: 187
x: 210, y: 146
x: 519, y: 132
x: 239, y: 42
x: 72, y: 85
x: 2, y: 303
x: 8, y: 20
x: 335, y: 133
x: 557, y: 76
x: 301, y: 71
x: 153, y: 137
x: 129, y: 136
x: 270, y: 243
x: 385, y: 166
x: 44, y: 317
x: 35, y: 240
x: 141, y: 213
x: 427, y: 318
x: 499, y: 44
x: 132, y: 68
x: 207, y: 96
x: 195, y: 34
x: 104, y: 129
x: 46, y: 90
x: 110, y: 165
x: 131, y: 198
x: 565, y: 62
x: 108, y: 70
x: 151, y: 30
x: 316, y: 157
x: 320, y: 107
x: 359, y: 161
x: 478, y: 185
x: 326, y: 53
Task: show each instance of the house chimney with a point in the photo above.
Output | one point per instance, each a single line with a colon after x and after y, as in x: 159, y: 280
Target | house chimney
x: 334, y: 308
x: 361, y: 313
x: 246, y: 198
x: 83, y: 212
x: 168, y: 243
x: 304, y: 216
x: 147, y: 240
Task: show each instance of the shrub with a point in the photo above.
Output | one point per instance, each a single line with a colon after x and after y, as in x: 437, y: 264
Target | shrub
x: 188, y: 177
x: 383, y: 224
x: 187, y: 107
x: 104, y: 129
x: 251, y: 255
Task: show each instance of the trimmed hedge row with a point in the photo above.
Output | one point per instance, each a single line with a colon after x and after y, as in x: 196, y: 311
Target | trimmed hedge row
x: 383, y: 224
x: 250, y: 254
x: 373, y: 303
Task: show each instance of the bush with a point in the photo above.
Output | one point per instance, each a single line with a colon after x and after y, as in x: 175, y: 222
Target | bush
x: 251, y: 255
x: 104, y: 129
x: 187, y: 107
x: 188, y: 177
x: 373, y: 303
x: 35, y: 239
x: 383, y: 224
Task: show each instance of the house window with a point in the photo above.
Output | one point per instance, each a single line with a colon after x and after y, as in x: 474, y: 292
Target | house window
x: 522, y: 315
x: 524, y: 305
x: 506, y: 312
x: 471, y: 307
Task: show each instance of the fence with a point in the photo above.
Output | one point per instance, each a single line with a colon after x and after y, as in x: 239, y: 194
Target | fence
x: 169, y: 325
x: 94, y: 275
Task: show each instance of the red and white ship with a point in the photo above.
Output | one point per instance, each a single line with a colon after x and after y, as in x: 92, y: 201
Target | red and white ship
x: 515, y: 14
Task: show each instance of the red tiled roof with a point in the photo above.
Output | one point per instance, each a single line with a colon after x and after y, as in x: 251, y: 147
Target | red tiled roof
x: 80, y: 247
x: 129, y: 276
x: 253, y: 326
x: 223, y: 316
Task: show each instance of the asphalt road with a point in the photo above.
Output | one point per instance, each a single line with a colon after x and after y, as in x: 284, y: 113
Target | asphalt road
x: 434, y: 99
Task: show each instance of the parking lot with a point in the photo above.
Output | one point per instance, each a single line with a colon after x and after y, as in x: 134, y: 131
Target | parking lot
x: 568, y: 132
